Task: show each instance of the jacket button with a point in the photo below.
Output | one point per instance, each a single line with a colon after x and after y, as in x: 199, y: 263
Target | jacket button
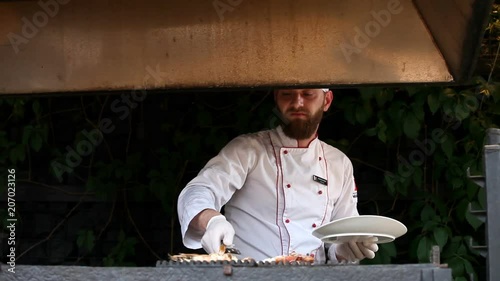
x: 286, y: 151
x: 287, y: 220
x: 314, y: 225
x: 288, y: 185
x: 320, y: 192
x: 320, y: 159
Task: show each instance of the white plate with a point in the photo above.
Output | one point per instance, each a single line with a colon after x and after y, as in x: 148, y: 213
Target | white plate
x: 367, y: 224
x: 356, y: 237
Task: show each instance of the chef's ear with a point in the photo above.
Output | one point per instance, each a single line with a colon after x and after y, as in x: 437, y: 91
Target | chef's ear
x: 328, y: 100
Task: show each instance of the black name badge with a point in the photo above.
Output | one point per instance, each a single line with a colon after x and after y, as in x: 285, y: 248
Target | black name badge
x: 320, y: 180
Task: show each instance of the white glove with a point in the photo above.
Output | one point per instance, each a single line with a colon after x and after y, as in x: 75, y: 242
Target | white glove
x: 353, y: 251
x: 218, y: 229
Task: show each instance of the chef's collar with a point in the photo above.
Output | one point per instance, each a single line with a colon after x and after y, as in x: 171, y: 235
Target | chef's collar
x: 289, y: 142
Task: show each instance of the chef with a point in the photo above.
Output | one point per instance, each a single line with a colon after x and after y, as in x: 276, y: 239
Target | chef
x: 276, y: 187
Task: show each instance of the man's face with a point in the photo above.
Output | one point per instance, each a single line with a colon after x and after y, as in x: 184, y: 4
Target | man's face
x: 302, y: 110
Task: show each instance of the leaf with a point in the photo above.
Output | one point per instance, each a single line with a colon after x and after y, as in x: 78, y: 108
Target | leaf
x: 108, y: 261
x: 382, y: 97
x: 36, y: 142
x: 427, y: 213
x: 430, y: 225
x: 416, y: 208
x: 411, y: 126
x: 481, y: 198
x: 403, y: 187
x: 382, y: 136
x: 469, y: 145
x: 457, y: 266
x: 36, y: 107
x: 479, y: 80
x: 17, y: 153
x: 390, y: 249
x: 418, y: 111
x: 412, y: 90
x: 440, y: 207
x: 86, y: 240
x: 418, y: 177
x: 27, y: 133
x: 371, y: 132
x: 363, y: 113
x: 461, y: 111
x: 81, y: 238
x: 472, y: 219
x: 471, y: 189
x: 385, y: 253
x: 468, y: 267
x: 457, y: 183
x: 496, y: 93
x: 461, y: 209
x: 433, y: 102
x: 447, y: 116
x: 366, y: 93
x: 462, y: 248
x: 423, y: 249
x: 447, y: 146
x: 391, y: 180
x: 441, y: 236
x: 18, y: 108
x: 449, y: 92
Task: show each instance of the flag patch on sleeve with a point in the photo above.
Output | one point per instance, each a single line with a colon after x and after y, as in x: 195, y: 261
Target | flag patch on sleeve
x: 355, y: 193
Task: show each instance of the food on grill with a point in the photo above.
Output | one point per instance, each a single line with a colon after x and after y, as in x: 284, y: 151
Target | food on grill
x: 203, y: 257
x: 222, y: 255
x: 293, y: 257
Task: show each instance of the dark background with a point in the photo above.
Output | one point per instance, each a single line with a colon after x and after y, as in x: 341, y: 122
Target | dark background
x: 190, y: 128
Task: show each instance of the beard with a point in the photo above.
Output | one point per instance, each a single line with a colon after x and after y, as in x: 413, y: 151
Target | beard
x: 302, y: 129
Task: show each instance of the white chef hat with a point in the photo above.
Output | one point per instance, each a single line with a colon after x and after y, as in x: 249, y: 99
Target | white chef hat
x: 325, y: 90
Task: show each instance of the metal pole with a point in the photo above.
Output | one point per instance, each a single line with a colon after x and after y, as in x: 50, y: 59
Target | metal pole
x: 492, y: 175
x: 493, y: 136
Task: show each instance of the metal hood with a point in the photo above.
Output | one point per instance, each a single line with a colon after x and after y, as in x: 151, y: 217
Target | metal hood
x: 52, y: 46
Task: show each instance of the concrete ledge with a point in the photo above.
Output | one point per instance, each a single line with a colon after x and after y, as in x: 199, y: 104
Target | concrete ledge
x: 409, y: 272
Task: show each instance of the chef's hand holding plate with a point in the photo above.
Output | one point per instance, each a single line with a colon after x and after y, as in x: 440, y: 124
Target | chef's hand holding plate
x: 218, y: 229
x: 353, y: 251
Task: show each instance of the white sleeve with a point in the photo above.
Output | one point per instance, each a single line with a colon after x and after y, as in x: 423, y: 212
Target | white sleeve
x: 347, y: 203
x: 214, y: 185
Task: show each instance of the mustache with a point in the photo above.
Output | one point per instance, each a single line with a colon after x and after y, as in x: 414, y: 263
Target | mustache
x: 301, y: 111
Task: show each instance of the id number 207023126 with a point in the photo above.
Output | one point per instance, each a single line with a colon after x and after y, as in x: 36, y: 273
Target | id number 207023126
x: 11, y: 219
x: 11, y: 193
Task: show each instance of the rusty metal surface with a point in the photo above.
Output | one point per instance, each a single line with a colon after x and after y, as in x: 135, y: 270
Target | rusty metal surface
x: 458, y: 28
x: 125, y: 44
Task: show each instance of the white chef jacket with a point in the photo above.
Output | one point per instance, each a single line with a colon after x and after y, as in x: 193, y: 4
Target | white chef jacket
x: 266, y: 184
